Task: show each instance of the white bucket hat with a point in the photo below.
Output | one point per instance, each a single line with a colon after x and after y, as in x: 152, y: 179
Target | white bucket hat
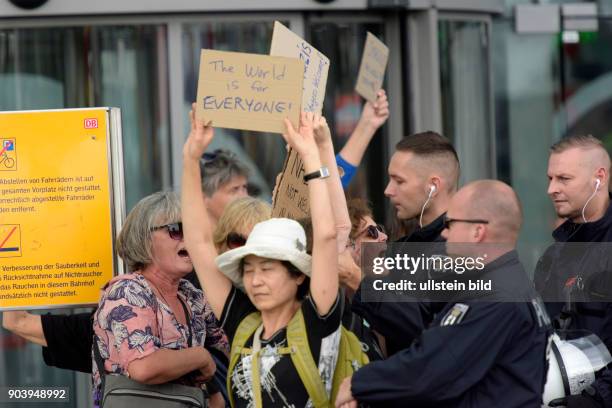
x: 277, y: 238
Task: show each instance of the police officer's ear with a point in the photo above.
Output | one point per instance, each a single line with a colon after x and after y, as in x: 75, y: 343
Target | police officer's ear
x: 479, y: 232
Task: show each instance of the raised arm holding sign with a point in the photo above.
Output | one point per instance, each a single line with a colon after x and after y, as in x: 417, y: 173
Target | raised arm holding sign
x: 372, y: 69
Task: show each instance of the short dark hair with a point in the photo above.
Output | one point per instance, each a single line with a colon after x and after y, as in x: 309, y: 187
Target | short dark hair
x: 437, y: 150
x: 426, y: 144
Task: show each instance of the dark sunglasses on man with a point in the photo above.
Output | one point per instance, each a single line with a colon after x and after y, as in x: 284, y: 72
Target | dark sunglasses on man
x: 449, y: 221
x: 175, y: 230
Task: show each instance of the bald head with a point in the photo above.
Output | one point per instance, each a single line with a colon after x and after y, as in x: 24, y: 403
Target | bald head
x: 495, y: 202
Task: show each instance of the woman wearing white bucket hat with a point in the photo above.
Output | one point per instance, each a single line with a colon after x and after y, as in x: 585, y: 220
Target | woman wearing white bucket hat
x: 271, y: 275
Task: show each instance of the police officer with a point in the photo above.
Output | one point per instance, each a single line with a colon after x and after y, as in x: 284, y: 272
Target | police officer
x: 485, y: 352
x: 423, y: 176
x: 579, y: 178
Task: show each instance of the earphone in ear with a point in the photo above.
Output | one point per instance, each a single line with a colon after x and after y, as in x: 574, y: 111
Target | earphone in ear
x: 432, y: 189
x: 597, y: 183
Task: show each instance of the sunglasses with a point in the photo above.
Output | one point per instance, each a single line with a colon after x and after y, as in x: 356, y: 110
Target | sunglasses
x: 210, y: 156
x: 449, y: 221
x: 373, y: 231
x: 175, y: 230
x: 235, y: 240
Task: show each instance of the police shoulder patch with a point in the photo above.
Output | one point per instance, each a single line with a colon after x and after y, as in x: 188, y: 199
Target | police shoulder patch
x: 454, y: 315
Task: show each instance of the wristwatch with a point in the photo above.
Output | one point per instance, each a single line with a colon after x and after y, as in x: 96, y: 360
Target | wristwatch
x: 323, y: 172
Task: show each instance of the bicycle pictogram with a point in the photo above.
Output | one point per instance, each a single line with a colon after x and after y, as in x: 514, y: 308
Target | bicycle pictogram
x: 8, y: 156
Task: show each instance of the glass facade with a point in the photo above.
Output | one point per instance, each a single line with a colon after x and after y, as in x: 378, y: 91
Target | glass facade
x: 54, y: 68
x: 342, y: 42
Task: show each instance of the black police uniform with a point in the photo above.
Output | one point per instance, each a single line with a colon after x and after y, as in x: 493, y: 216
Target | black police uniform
x: 401, y: 322
x: 476, y: 353
x: 559, y: 269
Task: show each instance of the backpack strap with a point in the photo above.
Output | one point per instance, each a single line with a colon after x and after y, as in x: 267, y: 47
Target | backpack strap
x: 301, y: 356
x: 246, y: 328
x: 351, y: 357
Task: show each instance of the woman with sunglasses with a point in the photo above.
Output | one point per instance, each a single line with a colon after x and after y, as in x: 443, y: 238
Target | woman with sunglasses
x: 271, y: 276
x: 152, y: 325
x: 237, y: 221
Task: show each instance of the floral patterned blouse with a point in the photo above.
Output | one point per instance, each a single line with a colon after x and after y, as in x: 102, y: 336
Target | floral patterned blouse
x: 131, y: 323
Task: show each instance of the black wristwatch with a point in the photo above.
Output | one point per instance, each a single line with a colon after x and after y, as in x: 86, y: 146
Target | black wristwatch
x: 323, y: 172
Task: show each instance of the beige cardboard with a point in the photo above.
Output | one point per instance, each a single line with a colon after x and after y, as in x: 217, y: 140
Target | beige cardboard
x: 372, y: 69
x: 291, y: 193
x: 285, y: 43
x: 249, y: 91
x: 291, y: 198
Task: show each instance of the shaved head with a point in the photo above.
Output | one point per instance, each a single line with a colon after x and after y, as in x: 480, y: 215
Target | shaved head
x: 496, y: 202
x: 579, y: 174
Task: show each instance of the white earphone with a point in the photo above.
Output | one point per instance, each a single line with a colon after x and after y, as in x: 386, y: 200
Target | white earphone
x: 432, y: 189
x: 597, y: 184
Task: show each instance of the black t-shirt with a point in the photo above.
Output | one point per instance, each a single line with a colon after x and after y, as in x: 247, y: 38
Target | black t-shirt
x: 280, y: 383
x: 69, y: 339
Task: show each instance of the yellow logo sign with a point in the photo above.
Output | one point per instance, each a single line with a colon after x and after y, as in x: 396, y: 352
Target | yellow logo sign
x: 8, y: 155
x: 10, y: 241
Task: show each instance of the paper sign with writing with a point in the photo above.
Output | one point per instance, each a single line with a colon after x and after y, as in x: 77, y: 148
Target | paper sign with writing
x: 291, y: 193
x: 285, y: 43
x: 249, y: 91
x: 372, y: 69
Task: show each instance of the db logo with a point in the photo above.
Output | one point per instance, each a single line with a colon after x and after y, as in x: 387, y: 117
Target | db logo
x: 91, y: 123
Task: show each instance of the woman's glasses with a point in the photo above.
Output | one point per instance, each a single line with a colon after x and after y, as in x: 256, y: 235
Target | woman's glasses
x: 175, y: 230
x: 235, y: 240
x: 373, y: 231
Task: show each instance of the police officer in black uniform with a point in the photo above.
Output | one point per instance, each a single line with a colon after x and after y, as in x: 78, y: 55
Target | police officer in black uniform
x: 423, y: 176
x: 569, y: 274
x: 483, y: 349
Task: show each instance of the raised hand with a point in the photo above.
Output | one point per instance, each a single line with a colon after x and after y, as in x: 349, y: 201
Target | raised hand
x: 303, y: 140
x: 375, y: 115
x: 199, y: 138
x: 322, y: 133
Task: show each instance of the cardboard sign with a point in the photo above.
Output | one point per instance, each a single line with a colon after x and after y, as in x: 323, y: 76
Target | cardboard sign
x: 249, y: 91
x: 56, y: 213
x: 291, y: 193
x: 285, y: 43
x: 372, y: 69
x: 291, y: 198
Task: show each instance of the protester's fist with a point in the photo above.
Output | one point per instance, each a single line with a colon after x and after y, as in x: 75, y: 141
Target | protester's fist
x: 376, y: 114
x: 322, y: 133
x: 302, y: 140
x: 199, y: 138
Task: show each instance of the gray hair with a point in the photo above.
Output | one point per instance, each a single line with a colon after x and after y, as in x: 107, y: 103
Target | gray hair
x: 134, y: 240
x: 218, y: 168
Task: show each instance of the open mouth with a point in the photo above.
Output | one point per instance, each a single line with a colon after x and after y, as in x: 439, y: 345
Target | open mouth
x: 183, y: 253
